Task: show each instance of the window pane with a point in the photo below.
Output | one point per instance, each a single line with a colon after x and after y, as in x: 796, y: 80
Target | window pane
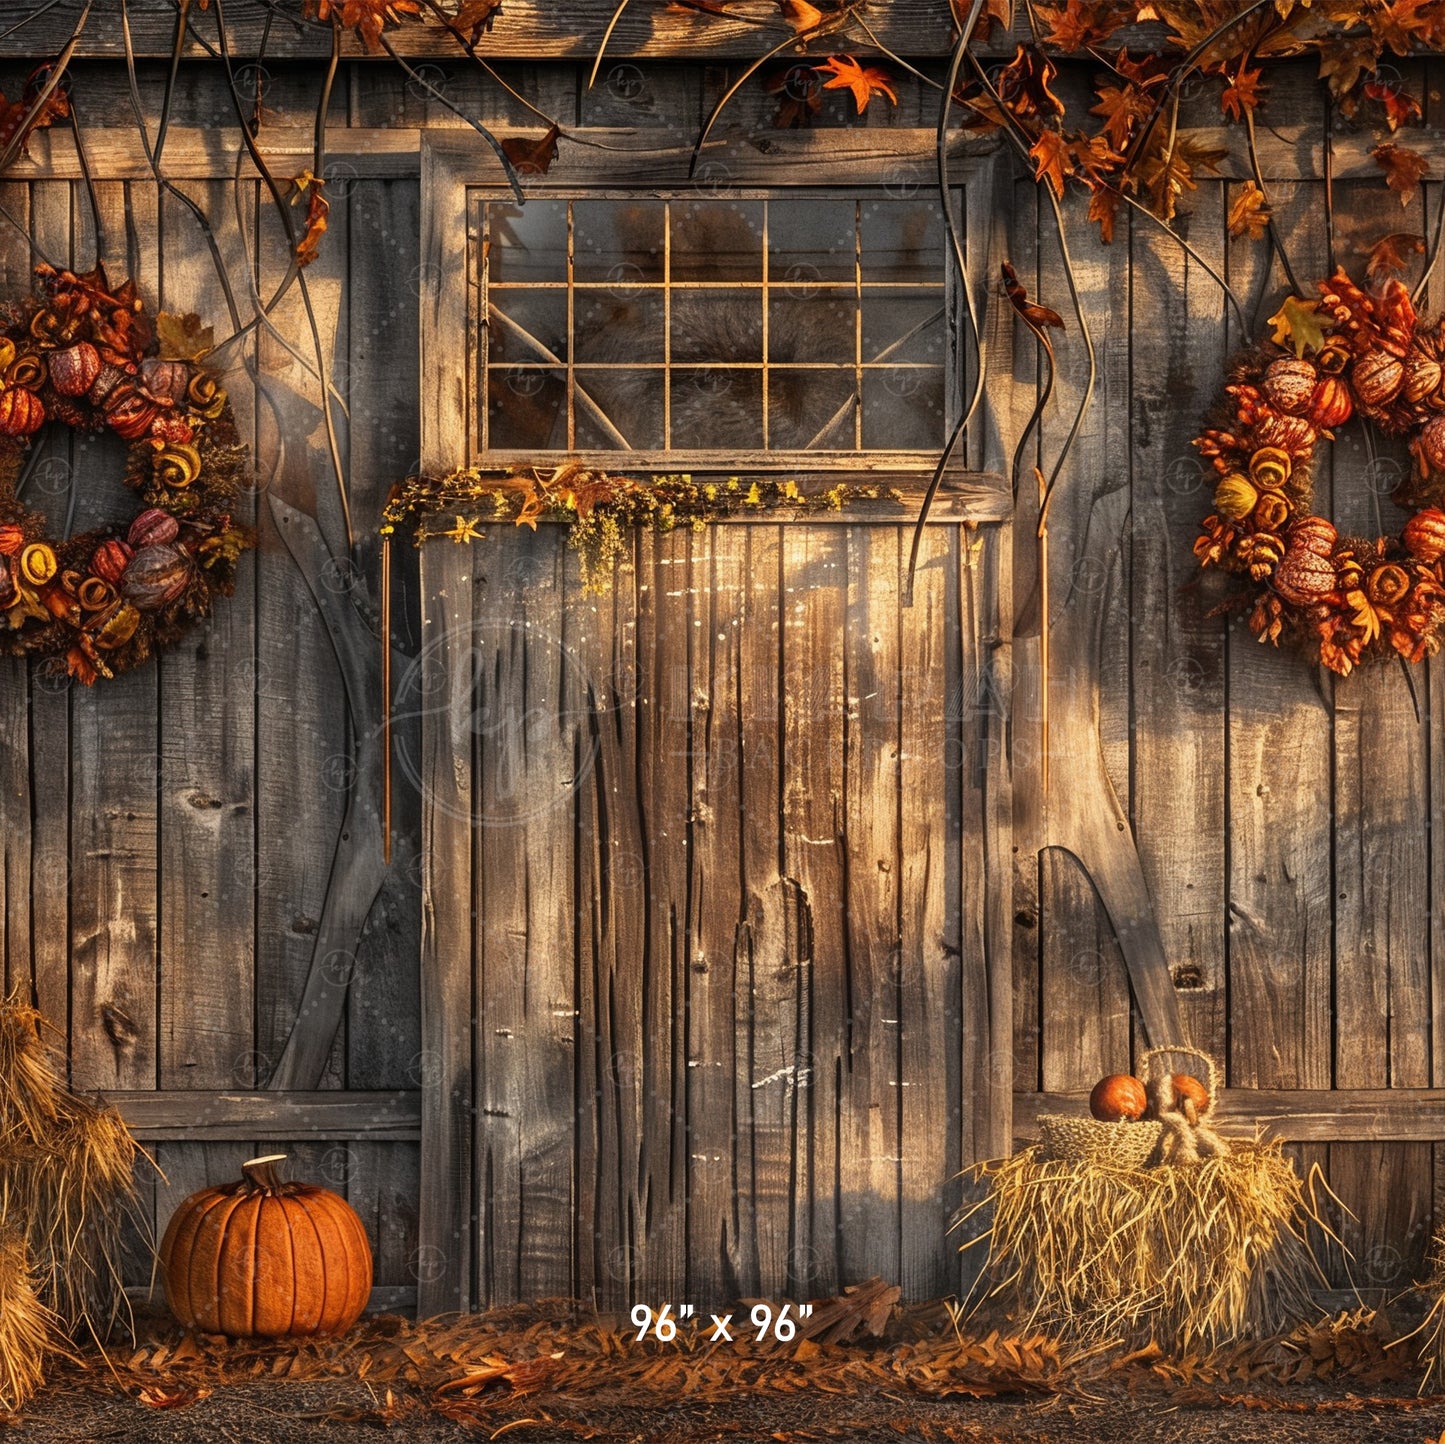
x: 526, y: 326
x: 619, y: 243
x: 632, y: 401
x: 715, y: 407
x: 811, y: 241
x: 810, y: 409
x: 903, y: 240
x: 528, y: 243
x: 717, y: 240
x: 527, y: 407
x: 717, y: 325
x: 903, y: 326
x: 811, y: 327
x: 610, y: 329
x: 903, y: 409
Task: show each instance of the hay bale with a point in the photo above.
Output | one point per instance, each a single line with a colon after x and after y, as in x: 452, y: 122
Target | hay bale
x: 1432, y: 1330
x: 28, y: 1332
x: 1188, y: 1256
x: 67, y: 1179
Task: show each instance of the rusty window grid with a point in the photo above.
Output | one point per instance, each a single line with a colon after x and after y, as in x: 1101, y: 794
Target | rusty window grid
x: 863, y: 284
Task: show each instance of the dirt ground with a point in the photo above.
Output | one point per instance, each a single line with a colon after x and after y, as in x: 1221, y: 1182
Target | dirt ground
x: 552, y: 1372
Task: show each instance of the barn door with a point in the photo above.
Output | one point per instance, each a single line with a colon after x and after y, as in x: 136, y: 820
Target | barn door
x: 715, y: 974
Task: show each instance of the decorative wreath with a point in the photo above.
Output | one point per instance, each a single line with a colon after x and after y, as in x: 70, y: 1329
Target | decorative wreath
x: 87, y: 355
x: 1346, y: 599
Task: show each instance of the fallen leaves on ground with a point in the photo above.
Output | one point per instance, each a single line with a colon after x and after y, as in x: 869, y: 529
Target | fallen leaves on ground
x: 531, y: 1365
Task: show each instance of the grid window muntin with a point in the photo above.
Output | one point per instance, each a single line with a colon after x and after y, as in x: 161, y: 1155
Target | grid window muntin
x: 539, y: 353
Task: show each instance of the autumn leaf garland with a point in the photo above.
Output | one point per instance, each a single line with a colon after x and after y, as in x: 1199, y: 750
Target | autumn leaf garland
x: 1125, y: 144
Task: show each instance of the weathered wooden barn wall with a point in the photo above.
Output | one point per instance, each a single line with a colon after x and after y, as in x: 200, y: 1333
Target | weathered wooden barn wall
x: 1283, y: 815
x: 167, y: 839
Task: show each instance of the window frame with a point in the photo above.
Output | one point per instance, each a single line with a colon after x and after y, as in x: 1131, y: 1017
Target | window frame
x: 458, y: 169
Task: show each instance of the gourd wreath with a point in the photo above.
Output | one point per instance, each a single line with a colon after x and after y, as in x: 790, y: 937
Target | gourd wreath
x: 101, y: 602
x: 1346, y: 599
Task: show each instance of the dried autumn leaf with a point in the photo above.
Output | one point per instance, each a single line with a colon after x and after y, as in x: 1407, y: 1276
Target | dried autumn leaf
x: 1404, y: 168
x: 1249, y: 216
x: 1104, y: 208
x: 1079, y: 23
x: 476, y: 17
x: 800, y: 96
x: 1166, y: 172
x: 800, y: 15
x: 1299, y: 325
x: 1401, y: 108
x: 1122, y: 108
x: 178, y: 1396
x: 1023, y: 85
x: 182, y: 337
x: 1402, y: 24
x: 13, y: 113
x: 532, y: 157
x: 1242, y: 95
x: 1049, y: 154
x: 1034, y: 314
x: 367, y: 17
x: 1390, y: 255
x: 1000, y: 12
x: 865, y: 81
x: 1344, y: 61
x: 318, y: 212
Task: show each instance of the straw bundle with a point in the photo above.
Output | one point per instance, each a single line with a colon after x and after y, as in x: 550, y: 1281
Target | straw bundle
x: 1187, y: 1256
x: 67, y: 1179
x: 1432, y: 1330
x: 27, y: 1328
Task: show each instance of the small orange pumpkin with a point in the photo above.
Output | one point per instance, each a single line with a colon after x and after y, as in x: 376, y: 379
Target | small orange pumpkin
x: 1186, y: 1085
x: 1118, y: 1097
x: 265, y: 1257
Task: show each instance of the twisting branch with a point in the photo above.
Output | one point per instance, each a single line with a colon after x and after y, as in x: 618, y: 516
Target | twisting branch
x: 961, y: 49
x: 456, y: 110
x: 295, y: 272
x: 1275, y: 239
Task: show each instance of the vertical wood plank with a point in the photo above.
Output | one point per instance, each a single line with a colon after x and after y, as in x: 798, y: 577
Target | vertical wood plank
x: 768, y: 953
x: 1177, y: 354
x: 304, y: 765
x: 1084, y: 989
x: 17, y: 800
x: 930, y: 778
x: 50, y: 730
x: 721, y: 1002
x: 869, y: 1142
x: 529, y: 703
x: 381, y: 382
x: 1278, y: 799
x: 446, y: 691
x: 815, y: 570
x: 115, y: 908
x: 206, y: 802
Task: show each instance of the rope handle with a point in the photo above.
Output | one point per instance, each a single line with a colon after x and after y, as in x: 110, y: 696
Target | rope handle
x: 1215, y: 1080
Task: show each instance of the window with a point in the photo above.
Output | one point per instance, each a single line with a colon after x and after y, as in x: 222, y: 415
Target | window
x: 759, y: 326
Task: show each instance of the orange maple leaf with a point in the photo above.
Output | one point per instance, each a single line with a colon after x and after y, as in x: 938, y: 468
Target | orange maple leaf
x: 865, y: 81
x: 318, y: 212
x: 367, y: 17
x: 1049, y: 154
x: 1390, y: 255
x: 1241, y: 97
x: 1404, y: 169
x: 1249, y: 216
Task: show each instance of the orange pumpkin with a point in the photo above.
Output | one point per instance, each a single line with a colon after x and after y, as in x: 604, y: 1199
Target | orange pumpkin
x: 1186, y: 1085
x: 265, y: 1257
x: 1118, y: 1097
